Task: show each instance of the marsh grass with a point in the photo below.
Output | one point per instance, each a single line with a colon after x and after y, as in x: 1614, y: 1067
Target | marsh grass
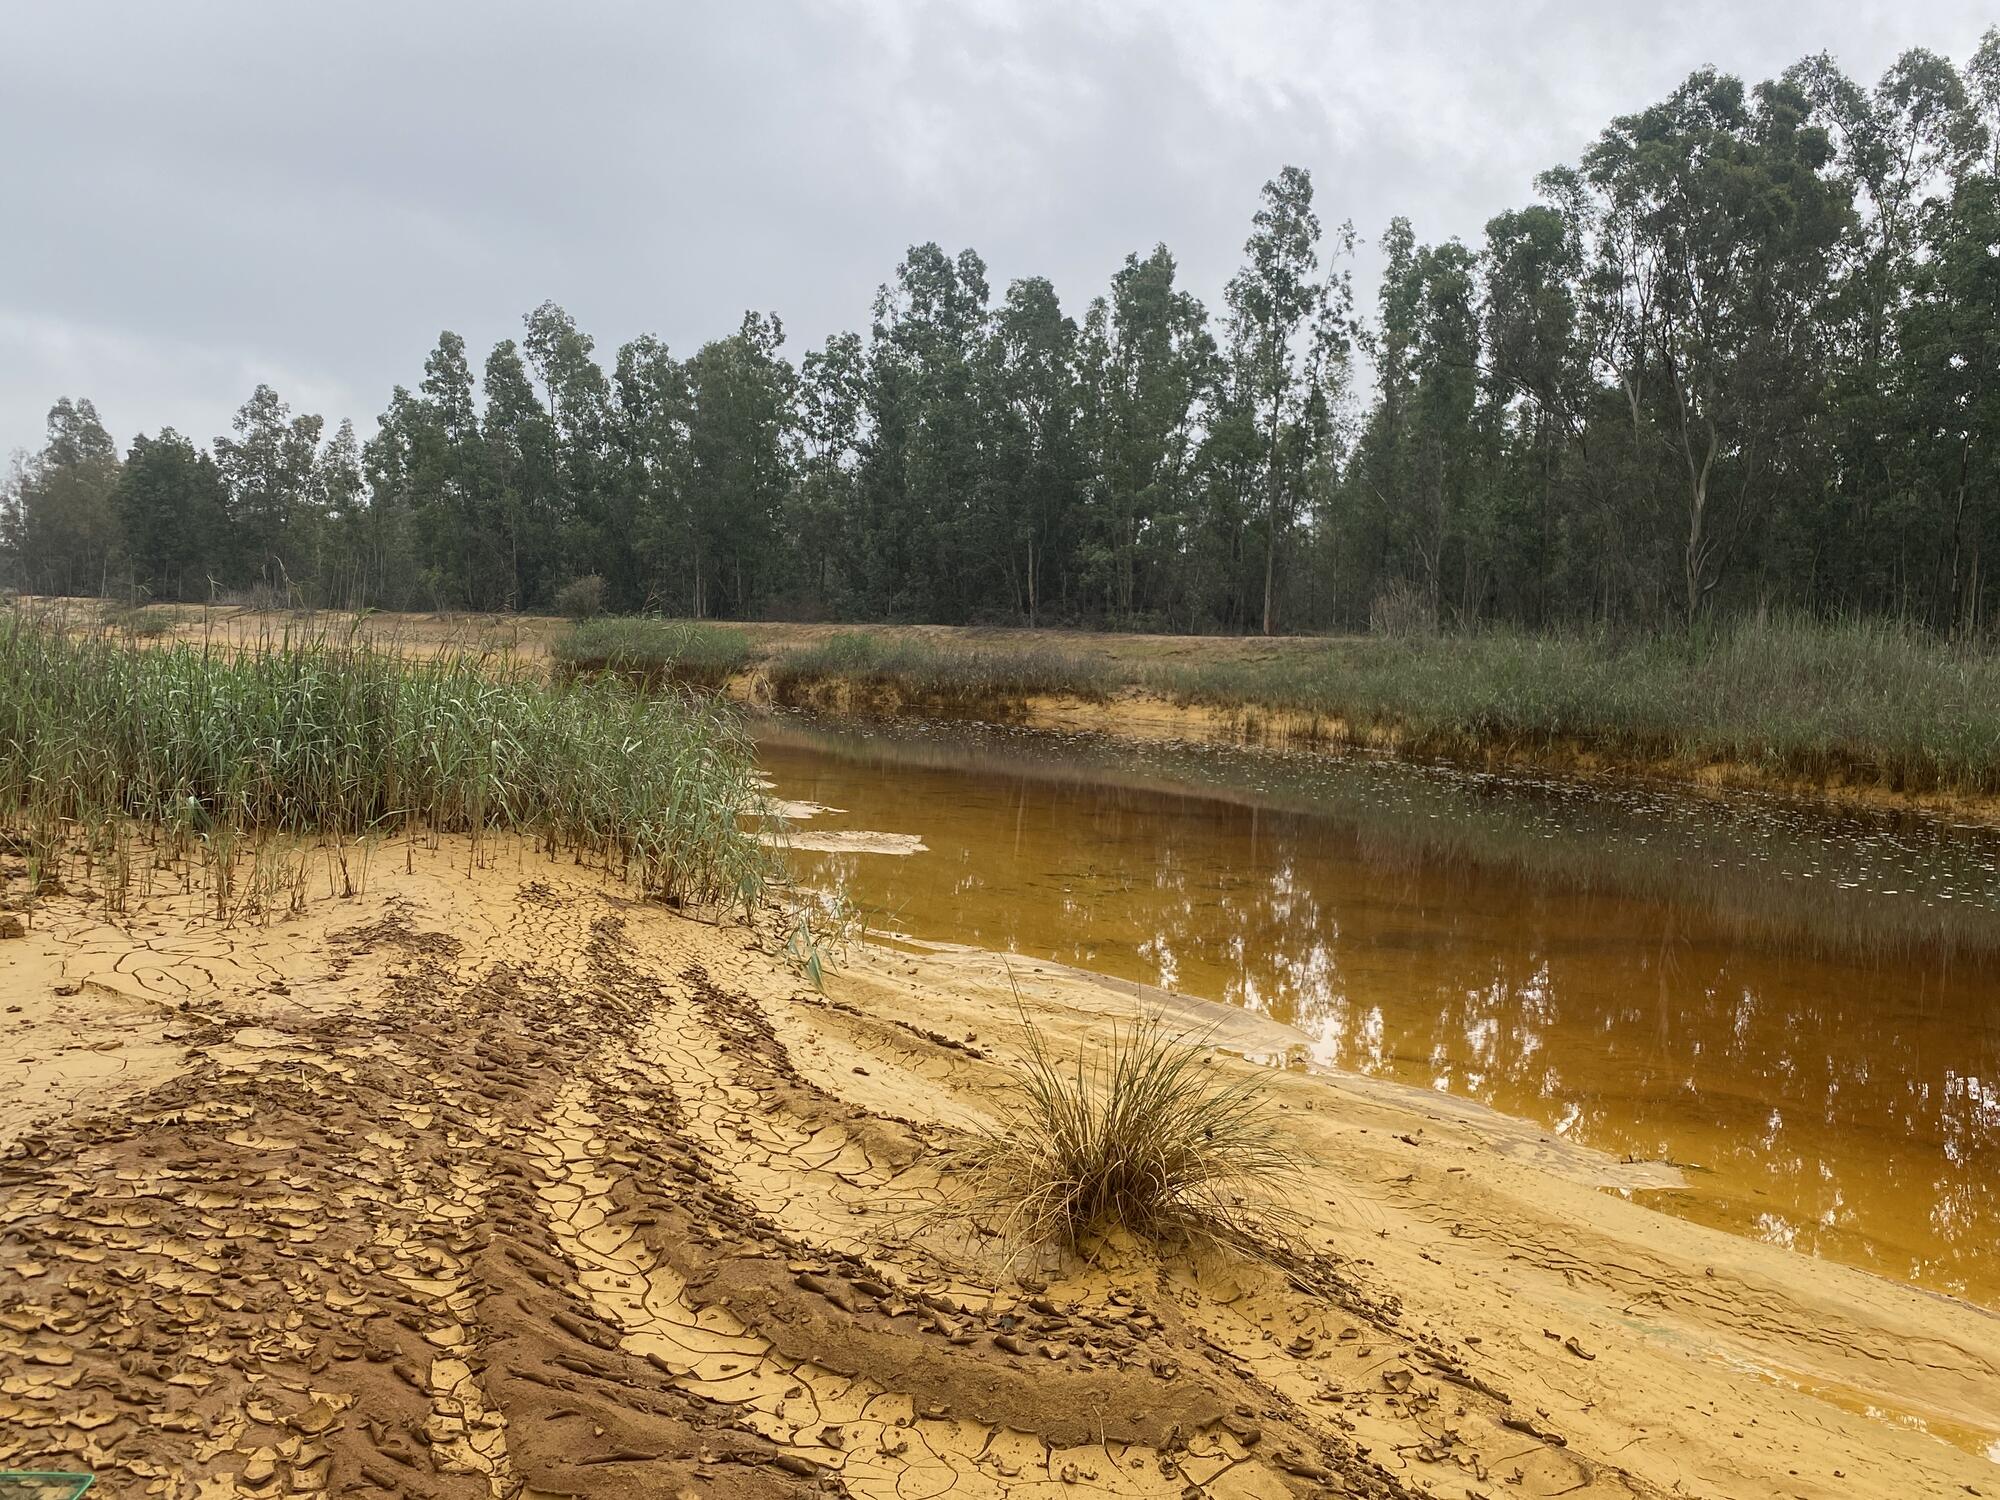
x: 210, y: 752
x: 1145, y: 1133
x: 653, y: 652
x: 917, y: 673
x: 1870, y: 702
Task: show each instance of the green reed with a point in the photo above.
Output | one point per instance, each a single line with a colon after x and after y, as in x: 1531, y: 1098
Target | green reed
x: 315, y: 739
x: 929, y: 674
x: 653, y: 651
x: 1872, y: 702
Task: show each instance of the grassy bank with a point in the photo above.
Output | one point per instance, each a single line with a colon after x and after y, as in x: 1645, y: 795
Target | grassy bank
x: 652, y: 652
x: 320, y: 740
x: 1855, y: 704
x: 890, y: 672
x: 1830, y: 703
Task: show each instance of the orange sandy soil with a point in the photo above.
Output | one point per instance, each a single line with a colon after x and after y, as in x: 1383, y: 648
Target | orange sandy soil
x: 494, y: 1181
x: 1132, y: 712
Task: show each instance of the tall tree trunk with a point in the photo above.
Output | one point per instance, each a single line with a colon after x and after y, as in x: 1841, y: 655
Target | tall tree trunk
x: 1270, y: 569
x: 1271, y: 513
x: 1031, y: 581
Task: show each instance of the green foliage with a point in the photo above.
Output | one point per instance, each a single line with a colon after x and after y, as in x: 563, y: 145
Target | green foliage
x: 1735, y: 358
x: 174, y: 503
x: 312, y: 739
x: 58, y: 516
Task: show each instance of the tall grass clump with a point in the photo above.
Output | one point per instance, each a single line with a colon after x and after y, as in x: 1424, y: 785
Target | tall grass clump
x: 1146, y: 1134
x: 314, y: 739
x: 652, y: 652
x: 929, y: 675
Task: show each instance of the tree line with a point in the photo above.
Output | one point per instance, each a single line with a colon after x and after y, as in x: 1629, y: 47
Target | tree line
x: 1743, y: 354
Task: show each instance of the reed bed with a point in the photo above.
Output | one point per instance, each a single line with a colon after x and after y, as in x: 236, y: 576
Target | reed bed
x: 652, y: 652
x: 313, y: 739
x: 922, y: 674
x: 1856, y: 701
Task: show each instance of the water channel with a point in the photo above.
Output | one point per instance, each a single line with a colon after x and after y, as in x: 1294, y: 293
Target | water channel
x: 1801, y: 1009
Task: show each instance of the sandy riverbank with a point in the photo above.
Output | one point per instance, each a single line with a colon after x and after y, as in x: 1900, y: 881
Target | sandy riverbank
x: 492, y: 1181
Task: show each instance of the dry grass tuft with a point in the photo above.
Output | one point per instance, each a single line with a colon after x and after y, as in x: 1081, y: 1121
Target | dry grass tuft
x: 1146, y: 1134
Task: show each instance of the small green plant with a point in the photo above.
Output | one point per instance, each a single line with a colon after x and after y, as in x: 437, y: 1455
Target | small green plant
x: 1147, y: 1133
x: 819, y: 928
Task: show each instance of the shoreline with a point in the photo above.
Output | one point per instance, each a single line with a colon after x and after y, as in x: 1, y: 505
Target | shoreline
x: 560, y: 1179
x: 1141, y: 717
x: 1127, y: 708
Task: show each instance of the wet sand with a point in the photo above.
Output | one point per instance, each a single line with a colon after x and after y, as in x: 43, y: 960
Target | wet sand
x: 492, y: 1181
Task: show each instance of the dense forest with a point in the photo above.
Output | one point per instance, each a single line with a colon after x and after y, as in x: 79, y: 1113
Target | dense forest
x: 1744, y: 354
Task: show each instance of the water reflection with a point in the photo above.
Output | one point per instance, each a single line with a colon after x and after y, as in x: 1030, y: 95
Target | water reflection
x: 1803, y: 1011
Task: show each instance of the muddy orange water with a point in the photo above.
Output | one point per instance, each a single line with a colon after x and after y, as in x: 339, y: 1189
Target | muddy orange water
x: 1800, y: 1010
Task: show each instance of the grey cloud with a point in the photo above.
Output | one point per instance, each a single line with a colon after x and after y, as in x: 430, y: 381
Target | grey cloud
x: 204, y: 195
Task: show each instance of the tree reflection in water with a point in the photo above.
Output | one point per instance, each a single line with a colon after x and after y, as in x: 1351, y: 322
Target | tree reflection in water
x: 1802, y: 1009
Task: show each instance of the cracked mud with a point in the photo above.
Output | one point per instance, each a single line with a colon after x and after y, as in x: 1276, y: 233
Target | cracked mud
x: 494, y: 1182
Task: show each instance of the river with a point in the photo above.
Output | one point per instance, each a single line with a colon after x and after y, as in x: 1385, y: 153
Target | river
x: 1799, y: 1009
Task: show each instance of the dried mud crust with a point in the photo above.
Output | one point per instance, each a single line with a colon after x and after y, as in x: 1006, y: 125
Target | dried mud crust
x: 531, y: 1209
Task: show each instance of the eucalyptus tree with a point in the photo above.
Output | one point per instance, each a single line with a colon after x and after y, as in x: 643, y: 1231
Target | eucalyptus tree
x: 922, y: 463
x: 1031, y: 490
x: 1151, y: 367
x: 428, y: 533
x: 652, y: 421
x: 58, y: 517
x: 1900, y: 145
x: 1448, y: 457
x: 1539, y: 375
x: 342, y: 537
x: 578, y: 396
x: 170, y: 501
x: 1277, y: 305
x: 1721, y: 217
x: 468, y: 544
x: 1380, y: 481
x: 269, y: 469
x: 524, y: 481
x: 1949, y: 342
x: 828, y: 421
x: 739, y: 464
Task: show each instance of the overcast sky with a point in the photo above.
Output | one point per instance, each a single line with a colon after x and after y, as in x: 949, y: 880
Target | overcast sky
x: 199, y: 196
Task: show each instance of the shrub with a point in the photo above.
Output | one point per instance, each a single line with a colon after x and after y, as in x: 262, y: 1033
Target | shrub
x: 581, y: 598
